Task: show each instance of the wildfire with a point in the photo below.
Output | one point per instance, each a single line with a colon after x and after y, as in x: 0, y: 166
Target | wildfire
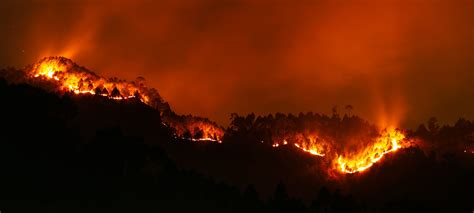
x: 307, y: 142
x: 389, y: 141
x: 80, y: 81
x: 311, y: 150
x: 349, y: 162
x: 311, y: 143
x: 195, y: 129
x: 70, y: 77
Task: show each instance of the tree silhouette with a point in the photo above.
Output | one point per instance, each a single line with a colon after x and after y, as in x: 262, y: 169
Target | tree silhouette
x: 349, y: 109
x: 59, y: 150
x: 433, y: 126
x: 115, y: 93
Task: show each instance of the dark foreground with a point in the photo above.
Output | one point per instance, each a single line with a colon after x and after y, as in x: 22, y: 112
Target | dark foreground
x: 87, y: 154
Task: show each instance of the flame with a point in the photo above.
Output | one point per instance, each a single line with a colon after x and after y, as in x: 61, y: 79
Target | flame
x: 349, y: 162
x: 195, y: 129
x: 311, y: 144
x: 80, y: 81
x: 311, y: 150
x: 48, y: 69
x: 389, y: 141
x: 307, y: 142
x: 71, y: 78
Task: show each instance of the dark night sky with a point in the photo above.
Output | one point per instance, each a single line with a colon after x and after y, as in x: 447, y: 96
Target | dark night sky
x: 397, y: 62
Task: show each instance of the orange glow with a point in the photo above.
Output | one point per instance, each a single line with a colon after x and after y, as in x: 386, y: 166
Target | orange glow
x: 312, y: 150
x: 308, y: 142
x: 79, y: 81
x: 311, y: 144
x: 364, y: 53
x: 350, y: 161
x: 389, y: 141
x: 71, y: 78
x: 195, y: 129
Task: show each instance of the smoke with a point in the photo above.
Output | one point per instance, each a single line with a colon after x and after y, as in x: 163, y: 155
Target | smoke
x: 396, y: 62
x: 349, y: 144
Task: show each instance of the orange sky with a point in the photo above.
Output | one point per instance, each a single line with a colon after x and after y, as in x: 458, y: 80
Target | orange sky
x: 397, y: 62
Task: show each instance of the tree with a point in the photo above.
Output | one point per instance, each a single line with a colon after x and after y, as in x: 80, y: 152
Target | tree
x: 105, y: 92
x: 433, y: 126
x: 280, y: 201
x: 98, y: 91
x: 137, y: 95
x: 280, y: 193
x: 115, y: 93
x: 322, y: 202
x: 251, y: 200
x: 349, y: 109
x: 335, y: 114
x: 334, y: 110
x: 422, y: 131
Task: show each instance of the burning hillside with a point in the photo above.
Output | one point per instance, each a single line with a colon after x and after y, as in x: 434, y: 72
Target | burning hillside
x: 194, y: 128
x: 347, y: 145
x: 62, y: 75
x: 389, y: 141
x: 346, y: 159
x: 358, y: 160
x: 72, y: 78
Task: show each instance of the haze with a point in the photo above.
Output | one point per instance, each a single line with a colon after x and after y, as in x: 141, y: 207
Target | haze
x: 396, y: 62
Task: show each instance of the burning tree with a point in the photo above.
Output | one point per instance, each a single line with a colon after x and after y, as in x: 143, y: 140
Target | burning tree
x: 62, y: 75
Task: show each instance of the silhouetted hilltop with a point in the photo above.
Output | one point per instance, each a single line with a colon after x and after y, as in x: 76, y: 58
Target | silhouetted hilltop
x: 61, y: 75
x: 48, y: 166
x: 94, y: 153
